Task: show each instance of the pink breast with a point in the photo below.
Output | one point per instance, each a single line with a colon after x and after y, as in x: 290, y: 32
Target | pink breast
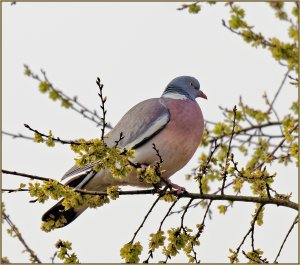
x: 182, y: 135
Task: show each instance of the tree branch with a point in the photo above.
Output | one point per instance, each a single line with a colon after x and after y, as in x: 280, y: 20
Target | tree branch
x: 75, y: 105
x: 56, y: 139
x: 214, y: 197
x: 197, y: 203
x: 262, y: 39
x: 253, y: 127
x: 25, y: 175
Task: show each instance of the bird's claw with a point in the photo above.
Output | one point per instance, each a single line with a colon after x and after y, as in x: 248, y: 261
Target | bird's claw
x: 179, y: 189
x: 143, y: 166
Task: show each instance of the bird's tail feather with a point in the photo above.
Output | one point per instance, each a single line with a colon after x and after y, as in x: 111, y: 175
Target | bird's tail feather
x: 58, y: 213
x: 64, y: 217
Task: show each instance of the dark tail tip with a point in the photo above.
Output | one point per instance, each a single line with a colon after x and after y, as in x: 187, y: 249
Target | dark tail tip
x: 60, y: 216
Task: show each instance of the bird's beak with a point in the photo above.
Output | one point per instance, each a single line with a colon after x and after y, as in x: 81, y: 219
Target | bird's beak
x: 202, y: 95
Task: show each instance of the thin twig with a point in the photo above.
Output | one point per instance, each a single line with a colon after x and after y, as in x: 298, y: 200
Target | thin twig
x: 255, y: 260
x: 258, y: 36
x: 254, y: 127
x: 56, y: 139
x: 102, y: 106
x: 279, y: 90
x: 228, y: 151
x: 200, y: 230
x: 184, y: 212
x: 276, y: 148
x: 167, y: 214
x: 159, y: 229
x: 25, y: 175
x: 243, y: 111
x: 146, y: 216
x: 203, y: 170
x: 157, y: 167
x: 75, y: 104
x: 240, y: 173
x: 197, y: 203
x: 157, y: 154
x: 250, y: 230
x: 286, y: 237
x: 119, y: 140
x: 13, y: 190
x: 17, y: 233
x: 184, y: 6
x: 210, y: 122
x: 271, y: 105
x: 206, y: 212
x: 75, y: 101
x: 53, y: 257
x: 19, y: 135
x: 247, y: 141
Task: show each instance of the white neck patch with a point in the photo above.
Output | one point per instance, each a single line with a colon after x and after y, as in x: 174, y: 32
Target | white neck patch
x: 174, y: 96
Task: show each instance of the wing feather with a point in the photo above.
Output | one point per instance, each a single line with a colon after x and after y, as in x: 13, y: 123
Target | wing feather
x: 138, y: 125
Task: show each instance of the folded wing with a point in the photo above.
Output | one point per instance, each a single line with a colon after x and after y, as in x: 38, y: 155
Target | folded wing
x: 138, y: 126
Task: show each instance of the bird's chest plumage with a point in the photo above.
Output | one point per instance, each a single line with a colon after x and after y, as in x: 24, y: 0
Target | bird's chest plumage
x: 178, y: 141
x: 186, y: 122
x: 183, y: 132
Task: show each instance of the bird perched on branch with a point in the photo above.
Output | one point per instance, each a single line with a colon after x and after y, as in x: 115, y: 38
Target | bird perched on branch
x: 173, y: 122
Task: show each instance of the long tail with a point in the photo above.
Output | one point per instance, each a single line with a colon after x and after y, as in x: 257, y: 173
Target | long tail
x: 58, y: 212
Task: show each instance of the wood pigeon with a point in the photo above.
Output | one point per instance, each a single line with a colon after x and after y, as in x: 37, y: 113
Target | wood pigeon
x: 173, y: 122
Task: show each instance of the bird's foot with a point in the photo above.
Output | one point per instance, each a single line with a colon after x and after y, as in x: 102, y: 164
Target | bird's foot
x: 143, y: 166
x: 179, y: 189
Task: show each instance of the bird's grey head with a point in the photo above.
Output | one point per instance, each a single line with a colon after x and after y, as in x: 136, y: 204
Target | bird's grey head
x: 183, y: 87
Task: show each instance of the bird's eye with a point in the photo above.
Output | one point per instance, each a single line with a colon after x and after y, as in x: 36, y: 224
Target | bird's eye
x: 192, y: 85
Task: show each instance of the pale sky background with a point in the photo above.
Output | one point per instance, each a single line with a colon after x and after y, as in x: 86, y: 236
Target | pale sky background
x: 136, y: 49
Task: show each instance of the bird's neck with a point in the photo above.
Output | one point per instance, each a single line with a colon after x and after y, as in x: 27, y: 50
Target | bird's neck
x: 176, y: 93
